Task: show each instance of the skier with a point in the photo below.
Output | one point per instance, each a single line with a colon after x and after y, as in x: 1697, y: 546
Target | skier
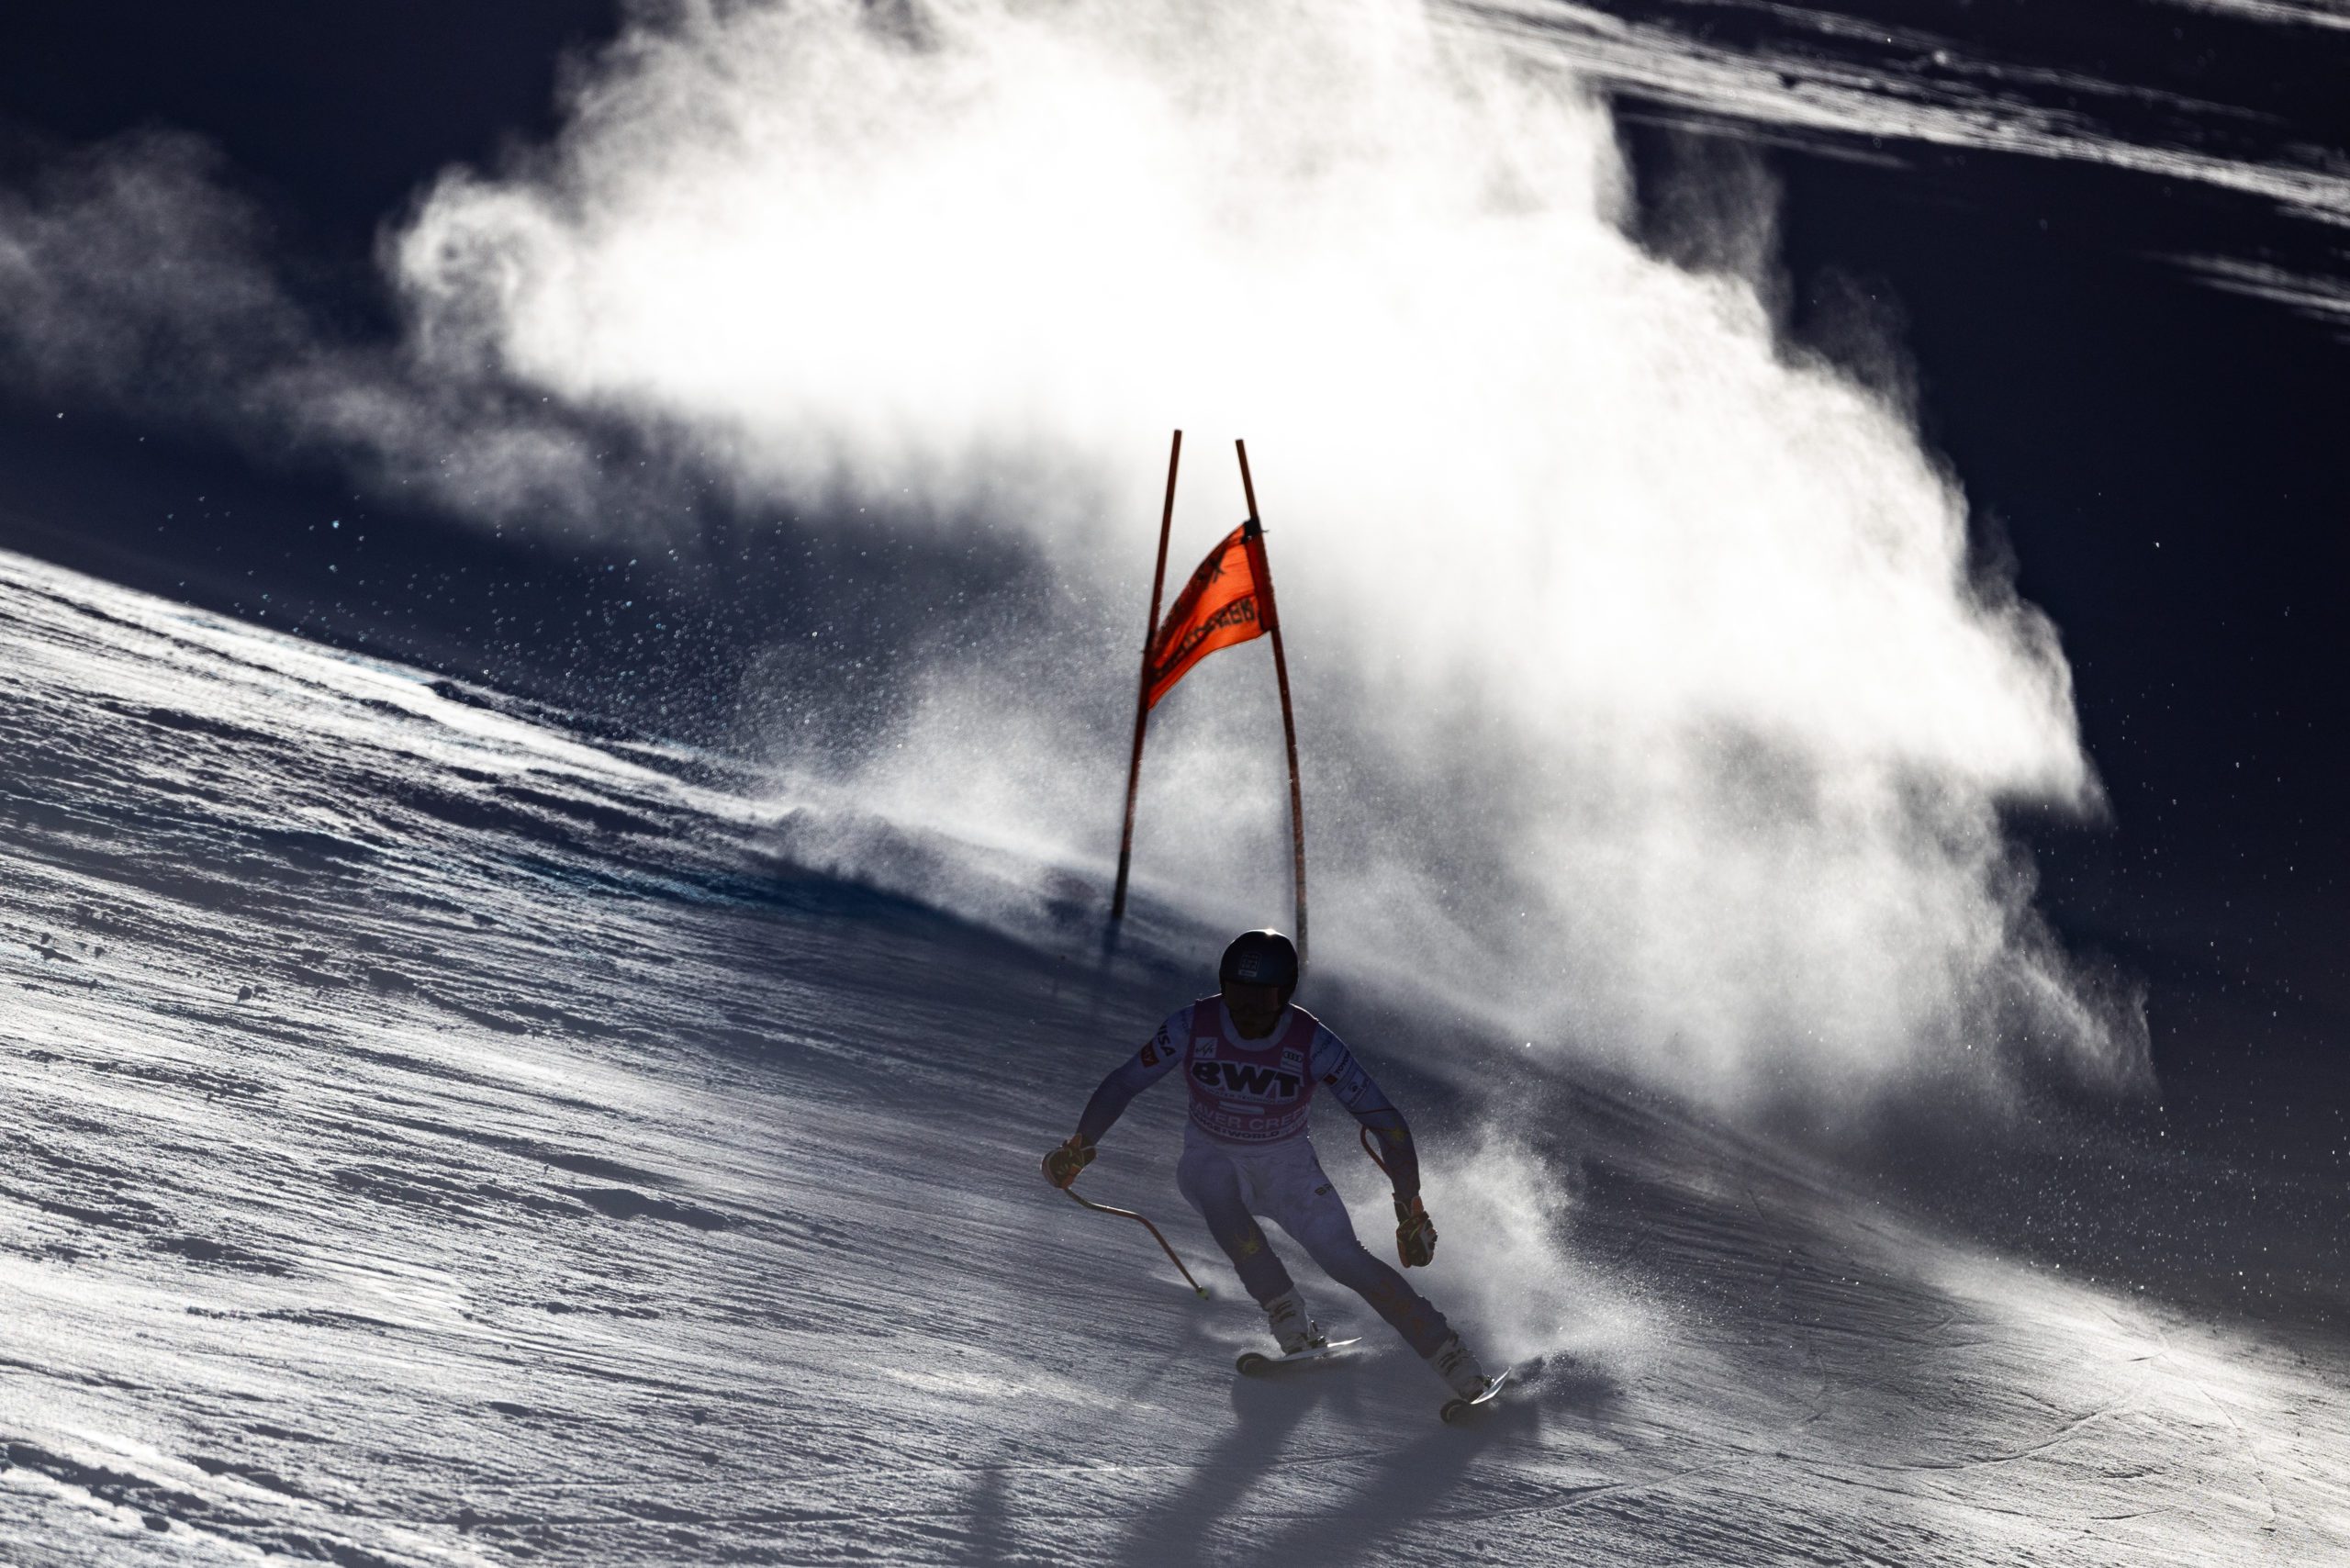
x: 1252, y: 1061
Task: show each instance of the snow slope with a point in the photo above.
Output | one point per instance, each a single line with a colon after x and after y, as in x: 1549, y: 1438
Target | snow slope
x: 433, y: 1137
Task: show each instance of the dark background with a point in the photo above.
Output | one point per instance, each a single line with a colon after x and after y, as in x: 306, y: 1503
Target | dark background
x: 2166, y: 461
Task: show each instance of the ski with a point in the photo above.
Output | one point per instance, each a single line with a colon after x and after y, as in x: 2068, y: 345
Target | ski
x: 1255, y: 1363
x: 1456, y: 1411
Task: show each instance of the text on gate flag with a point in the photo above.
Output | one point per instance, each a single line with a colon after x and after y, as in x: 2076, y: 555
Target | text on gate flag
x: 1220, y: 606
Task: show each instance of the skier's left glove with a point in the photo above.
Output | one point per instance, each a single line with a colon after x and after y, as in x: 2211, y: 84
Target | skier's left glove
x: 1062, y: 1166
x: 1415, y: 1234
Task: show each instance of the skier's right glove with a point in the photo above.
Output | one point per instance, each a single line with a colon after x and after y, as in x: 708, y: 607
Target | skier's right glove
x: 1061, y: 1166
x: 1415, y: 1234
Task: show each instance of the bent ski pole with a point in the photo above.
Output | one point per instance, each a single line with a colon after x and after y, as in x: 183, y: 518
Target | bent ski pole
x: 1198, y: 1289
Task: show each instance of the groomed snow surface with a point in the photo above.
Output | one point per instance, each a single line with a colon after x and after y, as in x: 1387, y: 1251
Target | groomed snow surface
x: 430, y: 1138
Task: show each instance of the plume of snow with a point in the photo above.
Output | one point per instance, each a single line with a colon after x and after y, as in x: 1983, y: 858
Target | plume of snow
x: 1650, y: 707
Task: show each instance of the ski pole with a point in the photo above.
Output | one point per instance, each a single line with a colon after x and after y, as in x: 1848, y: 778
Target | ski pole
x: 1199, y: 1289
x: 1368, y: 1147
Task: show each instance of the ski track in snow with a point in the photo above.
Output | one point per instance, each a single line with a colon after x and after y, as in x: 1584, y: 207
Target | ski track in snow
x: 433, y: 1139
x: 1861, y: 80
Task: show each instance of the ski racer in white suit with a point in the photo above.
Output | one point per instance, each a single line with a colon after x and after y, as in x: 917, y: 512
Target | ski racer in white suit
x: 1252, y: 1061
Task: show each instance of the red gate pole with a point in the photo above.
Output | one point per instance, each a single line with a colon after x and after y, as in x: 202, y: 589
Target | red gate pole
x: 1142, y: 690
x: 1264, y: 572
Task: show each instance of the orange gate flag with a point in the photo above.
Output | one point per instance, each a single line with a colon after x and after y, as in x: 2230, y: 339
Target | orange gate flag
x: 1222, y: 604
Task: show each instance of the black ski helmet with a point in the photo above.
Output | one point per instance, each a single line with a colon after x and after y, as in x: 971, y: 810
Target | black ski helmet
x: 1260, y: 957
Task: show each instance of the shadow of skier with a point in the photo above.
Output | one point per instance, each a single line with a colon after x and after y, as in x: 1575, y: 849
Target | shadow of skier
x: 988, y: 1535
x: 1405, y: 1489
x: 1169, y: 1529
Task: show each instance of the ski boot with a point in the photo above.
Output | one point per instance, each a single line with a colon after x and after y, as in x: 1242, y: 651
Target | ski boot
x: 1301, y: 1338
x: 1457, y: 1364
x: 1285, y: 1315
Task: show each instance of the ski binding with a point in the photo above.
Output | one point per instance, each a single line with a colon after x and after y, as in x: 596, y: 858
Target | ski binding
x: 1456, y: 1411
x: 1255, y: 1363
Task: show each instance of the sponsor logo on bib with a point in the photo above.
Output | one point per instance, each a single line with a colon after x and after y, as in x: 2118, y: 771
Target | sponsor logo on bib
x: 1248, y: 1082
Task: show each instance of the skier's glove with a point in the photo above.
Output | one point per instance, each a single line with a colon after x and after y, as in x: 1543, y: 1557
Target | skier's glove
x: 1415, y: 1234
x: 1061, y: 1166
